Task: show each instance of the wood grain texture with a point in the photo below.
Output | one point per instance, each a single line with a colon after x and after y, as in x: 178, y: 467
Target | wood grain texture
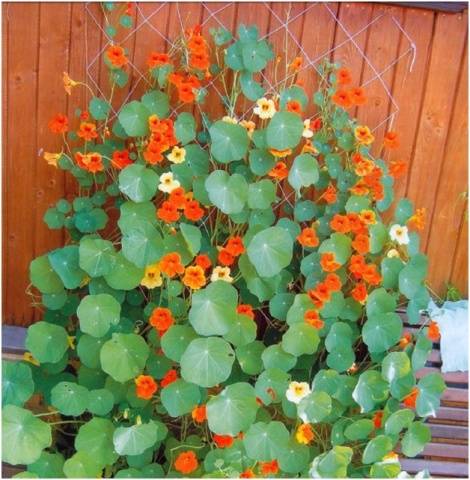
x: 432, y: 121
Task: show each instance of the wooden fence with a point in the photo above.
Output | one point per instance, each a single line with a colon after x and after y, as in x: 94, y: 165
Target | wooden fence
x: 41, y: 40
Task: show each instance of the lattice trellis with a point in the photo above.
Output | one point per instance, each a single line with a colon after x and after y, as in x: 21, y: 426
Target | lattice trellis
x: 217, y: 14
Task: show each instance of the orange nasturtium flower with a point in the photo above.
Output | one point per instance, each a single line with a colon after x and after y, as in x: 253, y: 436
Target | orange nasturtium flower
x: 343, y: 76
x: 116, y: 56
x: 168, y: 212
x: 92, y: 162
x: 330, y: 194
x: 294, y: 106
x: 410, y: 400
x: 235, y: 246
x: 199, y: 414
x: 68, y: 83
x: 434, y: 333
x: 357, y: 96
x: 248, y: 473
x: 296, y: 63
x: 145, y: 387
x: 171, y: 265
x: 361, y: 243
x: 418, y: 220
x: 120, y: 159
x: 280, y: 153
x: 161, y: 319
x: 391, y: 140
x: 157, y: 59
x: 87, y: 131
x: 203, y: 261
x: 269, y: 468
x: 225, y: 258
x: 169, y: 377
x: 59, y: 124
x: 308, y: 238
x: 304, y: 434
x: 279, y: 171
x: 328, y: 262
x: 193, y: 211
x: 333, y: 282
x: 397, y: 168
x: 246, y: 309
x: 340, y: 223
x: 178, y: 197
x: 186, y: 462
x: 223, y: 441
x: 194, y: 277
x: 363, y: 135
x: 342, y: 98
x: 405, y: 340
x: 312, y: 317
x: 359, y: 293
x: 377, y: 419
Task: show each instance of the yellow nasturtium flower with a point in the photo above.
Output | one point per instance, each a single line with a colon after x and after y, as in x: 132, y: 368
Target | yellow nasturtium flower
x: 152, y: 276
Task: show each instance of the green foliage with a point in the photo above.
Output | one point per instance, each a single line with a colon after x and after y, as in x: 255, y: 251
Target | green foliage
x: 222, y: 293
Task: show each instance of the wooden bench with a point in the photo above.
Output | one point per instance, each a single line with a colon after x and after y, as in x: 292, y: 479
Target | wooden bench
x: 445, y: 456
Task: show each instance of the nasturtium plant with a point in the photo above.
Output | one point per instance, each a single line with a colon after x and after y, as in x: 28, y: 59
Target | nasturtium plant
x: 225, y: 303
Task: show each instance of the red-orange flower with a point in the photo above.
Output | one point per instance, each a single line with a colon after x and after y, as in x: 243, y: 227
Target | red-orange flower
x: 59, y: 124
x: 177, y: 197
x: 153, y: 153
x: 357, y: 96
x: 330, y: 194
x: 186, y: 462
x: 157, y: 59
x: 313, y: 319
x: 196, y: 43
x: 405, y: 340
x: 434, y: 333
x: 359, y: 293
x: 357, y: 264
x: 342, y: 98
x: 296, y: 63
x: 199, y: 61
x: 87, y: 131
x: 194, y: 277
x: 269, y: 468
x: 320, y: 292
x: 316, y: 124
x: 410, y: 400
x: 171, y: 265
x: 308, y: 238
x: 92, y: 162
x: 145, y: 387
x: 161, y: 319
x: 377, y: 418
x: 371, y: 275
x: 246, y: 309
x: 248, y: 473
x: 116, y: 56
x: 391, y: 140
x: 361, y: 244
x: 225, y: 258
x: 343, y: 76
x: 193, y: 211
x: 340, y: 223
x: 223, y: 441
x: 328, y: 262
x: 294, y: 106
x: 199, y: 414
x: 397, y: 168
x: 121, y: 159
x: 279, y: 171
x: 168, y: 212
x: 235, y: 246
x: 203, y: 261
x: 333, y: 282
x: 185, y: 93
x: 170, y: 377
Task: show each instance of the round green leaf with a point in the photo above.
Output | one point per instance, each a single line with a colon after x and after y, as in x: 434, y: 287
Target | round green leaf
x: 359, y: 429
x: 229, y: 142
x: 135, y: 215
x: 23, y: 436
x: 227, y: 192
x: 96, y: 256
x: 266, y: 441
x: 185, y: 128
x: 399, y: 420
x: 82, y: 465
x: 315, y: 407
x: 213, y: 309
x: 65, y: 262
x: 271, y: 385
x: 136, y: 439
x: 100, y: 401
x: 70, y: 398
x: 175, y: 341
x: 142, y: 245
x: 261, y: 194
x: 249, y: 357
x: 124, y: 275
x: 99, y: 108
x: 294, y: 458
x: 134, y: 119
x: 395, y: 365
x: 88, y: 349
x: 233, y: 410
x: 207, y: 361
x: 430, y: 389
x: 123, y: 357
x: 415, y: 439
x: 270, y: 251
x: 180, y: 397
x: 275, y: 357
x: 96, y: 439
x: 284, y: 131
x: 17, y: 383
x: 304, y: 172
x: 382, y: 331
x: 43, y: 276
x: 370, y: 390
x: 138, y: 182
x: 48, y: 465
x: 332, y: 464
x: 97, y: 313
x: 300, y: 339
x: 242, y: 332
x: 47, y: 342
x: 157, y: 103
x: 376, y: 449
x: 340, y: 245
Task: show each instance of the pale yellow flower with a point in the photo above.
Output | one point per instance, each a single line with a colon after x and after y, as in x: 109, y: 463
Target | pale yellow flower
x: 249, y: 126
x: 168, y: 183
x: 307, y: 133
x: 177, y: 155
x: 68, y: 83
x: 297, y: 391
x: 399, y: 234
x: 229, y: 119
x: 265, y: 108
x: 393, y: 253
x: 221, y: 273
x: 152, y: 276
x: 52, y: 158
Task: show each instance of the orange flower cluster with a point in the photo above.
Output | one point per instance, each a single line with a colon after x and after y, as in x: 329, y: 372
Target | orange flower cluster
x: 434, y: 333
x: 369, y: 183
x: 158, y: 59
x: 348, y: 98
x: 308, y: 238
x: 161, y: 319
x: 377, y: 419
x: 161, y: 139
x: 185, y: 86
x: 87, y: 131
x: 312, y: 317
x: 279, y: 171
x: 92, y: 162
x: 145, y: 387
x: 116, y: 56
x: 391, y: 140
x: 269, y: 468
x: 193, y: 275
x: 364, y: 271
x: 233, y: 248
x: 59, y: 124
x: 246, y: 309
x: 322, y: 293
x: 186, y: 462
x: 179, y: 200
x: 198, y: 50
x: 120, y: 159
x: 294, y: 106
x: 199, y: 414
x: 169, y: 377
x: 223, y: 441
x: 397, y: 168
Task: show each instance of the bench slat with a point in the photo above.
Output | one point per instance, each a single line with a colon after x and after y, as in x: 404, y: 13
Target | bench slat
x: 449, y: 431
x: 449, y: 377
x: 445, y: 469
x: 452, y: 413
x: 446, y: 450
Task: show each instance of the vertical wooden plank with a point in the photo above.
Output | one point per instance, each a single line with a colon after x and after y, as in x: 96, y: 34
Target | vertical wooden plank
x: 381, y: 51
x: 459, y: 276
x: 23, y: 30
x: 410, y: 84
x: 450, y: 36
x: 450, y: 204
